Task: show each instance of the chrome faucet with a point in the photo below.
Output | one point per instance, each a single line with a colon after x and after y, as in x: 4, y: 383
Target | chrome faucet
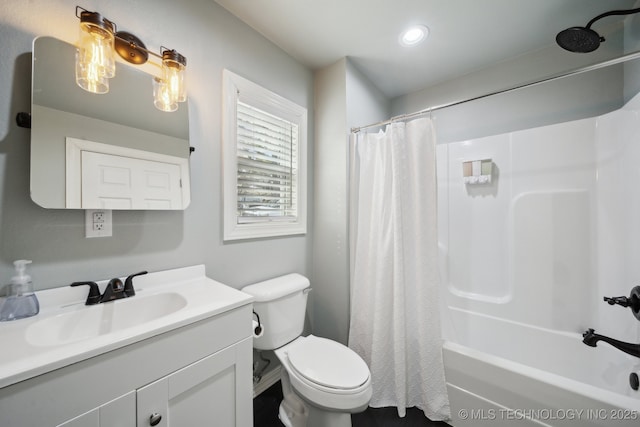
x: 590, y: 338
x: 115, y: 289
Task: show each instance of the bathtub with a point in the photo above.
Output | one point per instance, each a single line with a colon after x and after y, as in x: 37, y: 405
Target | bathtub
x: 504, y: 373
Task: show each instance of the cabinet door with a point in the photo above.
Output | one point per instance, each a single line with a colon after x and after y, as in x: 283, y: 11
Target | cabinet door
x: 214, y: 391
x: 120, y: 412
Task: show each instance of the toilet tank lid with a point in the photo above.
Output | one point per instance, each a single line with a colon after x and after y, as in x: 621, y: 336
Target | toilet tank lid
x: 277, y: 287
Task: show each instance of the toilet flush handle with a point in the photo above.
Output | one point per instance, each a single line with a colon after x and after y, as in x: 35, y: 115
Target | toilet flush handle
x: 258, y: 328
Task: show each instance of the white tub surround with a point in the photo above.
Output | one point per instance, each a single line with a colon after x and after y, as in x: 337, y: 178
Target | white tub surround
x: 526, y: 262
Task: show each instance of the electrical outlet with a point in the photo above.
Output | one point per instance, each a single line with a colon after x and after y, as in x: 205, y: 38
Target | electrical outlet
x: 98, y: 216
x: 98, y: 223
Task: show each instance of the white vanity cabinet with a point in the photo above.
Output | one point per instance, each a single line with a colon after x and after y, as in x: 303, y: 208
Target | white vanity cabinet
x: 195, y: 375
x: 120, y: 412
x: 202, y: 394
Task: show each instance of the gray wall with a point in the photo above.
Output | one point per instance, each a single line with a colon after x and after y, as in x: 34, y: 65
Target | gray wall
x: 211, y: 39
x: 329, y: 299
x: 344, y: 98
x: 571, y: 98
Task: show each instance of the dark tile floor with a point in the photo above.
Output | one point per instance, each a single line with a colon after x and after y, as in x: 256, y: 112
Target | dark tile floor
x: 265, y: 414
x: 388, y: 417
x: 265, y: 407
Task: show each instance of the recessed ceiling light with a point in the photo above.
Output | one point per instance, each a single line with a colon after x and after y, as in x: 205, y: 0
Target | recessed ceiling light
x: 414, y: 35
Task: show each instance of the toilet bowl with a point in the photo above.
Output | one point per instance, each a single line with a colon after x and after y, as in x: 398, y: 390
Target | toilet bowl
x: 327, y: 374
x: 323, y: 381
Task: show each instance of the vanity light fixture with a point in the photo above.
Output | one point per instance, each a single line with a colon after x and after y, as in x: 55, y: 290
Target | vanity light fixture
x: 95, y: 60
x: 162, y: 98
x: 414, y: 35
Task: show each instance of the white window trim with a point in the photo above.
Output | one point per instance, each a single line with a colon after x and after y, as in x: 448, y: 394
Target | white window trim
x: 259, y: 97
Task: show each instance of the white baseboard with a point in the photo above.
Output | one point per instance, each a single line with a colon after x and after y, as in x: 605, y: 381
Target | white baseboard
x: 268, y: 379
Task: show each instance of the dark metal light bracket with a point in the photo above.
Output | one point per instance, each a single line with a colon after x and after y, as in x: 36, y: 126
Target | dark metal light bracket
x: 130, y: 48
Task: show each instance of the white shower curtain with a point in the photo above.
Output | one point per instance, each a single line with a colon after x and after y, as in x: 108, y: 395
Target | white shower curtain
x: 395, y: 323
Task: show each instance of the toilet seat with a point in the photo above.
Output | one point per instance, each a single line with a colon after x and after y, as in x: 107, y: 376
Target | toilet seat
x: 330, y: 397
x: 328, y: 364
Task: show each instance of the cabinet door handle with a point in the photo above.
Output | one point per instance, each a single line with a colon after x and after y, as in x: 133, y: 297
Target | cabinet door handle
x: 155, y: 419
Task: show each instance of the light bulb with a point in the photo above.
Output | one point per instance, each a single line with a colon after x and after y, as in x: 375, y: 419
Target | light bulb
x: 173, y: 74
x: 162, y: 98
x: 95, y: 60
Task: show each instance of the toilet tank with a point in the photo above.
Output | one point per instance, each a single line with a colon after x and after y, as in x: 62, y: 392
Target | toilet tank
x: 281, y: 303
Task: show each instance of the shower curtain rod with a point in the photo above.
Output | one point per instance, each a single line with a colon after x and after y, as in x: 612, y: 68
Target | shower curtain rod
x: 597, y: 66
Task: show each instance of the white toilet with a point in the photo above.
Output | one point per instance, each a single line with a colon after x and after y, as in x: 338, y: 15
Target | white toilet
x: 323, y: 381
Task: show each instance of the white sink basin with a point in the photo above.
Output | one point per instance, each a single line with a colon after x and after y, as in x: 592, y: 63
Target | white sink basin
x: 100, y: 319
x: 66, y: 331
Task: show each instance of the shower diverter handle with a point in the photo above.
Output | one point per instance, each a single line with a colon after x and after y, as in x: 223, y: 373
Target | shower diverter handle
x: 632, y: 301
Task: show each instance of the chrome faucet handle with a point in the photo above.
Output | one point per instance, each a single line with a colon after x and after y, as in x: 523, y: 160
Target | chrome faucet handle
x: 128, y: 284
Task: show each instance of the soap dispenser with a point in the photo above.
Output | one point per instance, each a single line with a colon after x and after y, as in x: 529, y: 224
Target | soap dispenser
x: 20, y: 302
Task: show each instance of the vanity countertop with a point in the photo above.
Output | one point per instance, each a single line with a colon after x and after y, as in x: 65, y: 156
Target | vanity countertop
x: 67, y: 331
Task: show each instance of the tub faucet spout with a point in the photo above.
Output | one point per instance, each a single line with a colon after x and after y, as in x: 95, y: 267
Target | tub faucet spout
x: 590, y: 338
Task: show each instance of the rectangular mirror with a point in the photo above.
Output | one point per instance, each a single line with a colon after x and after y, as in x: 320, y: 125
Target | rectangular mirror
x: 108, y: 151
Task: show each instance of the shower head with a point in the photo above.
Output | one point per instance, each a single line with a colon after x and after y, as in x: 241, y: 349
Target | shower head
x: 584, y: 39
x: 579, y: 39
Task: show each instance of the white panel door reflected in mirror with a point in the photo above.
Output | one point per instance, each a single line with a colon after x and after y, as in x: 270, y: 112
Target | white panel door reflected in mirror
x: 103, y: 176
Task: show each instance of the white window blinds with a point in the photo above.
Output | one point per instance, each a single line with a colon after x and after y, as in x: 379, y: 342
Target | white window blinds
x: 267, y: 166
x: 264, y: 140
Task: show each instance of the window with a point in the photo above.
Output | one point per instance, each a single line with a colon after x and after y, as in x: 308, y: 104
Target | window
x: 264, y: 161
